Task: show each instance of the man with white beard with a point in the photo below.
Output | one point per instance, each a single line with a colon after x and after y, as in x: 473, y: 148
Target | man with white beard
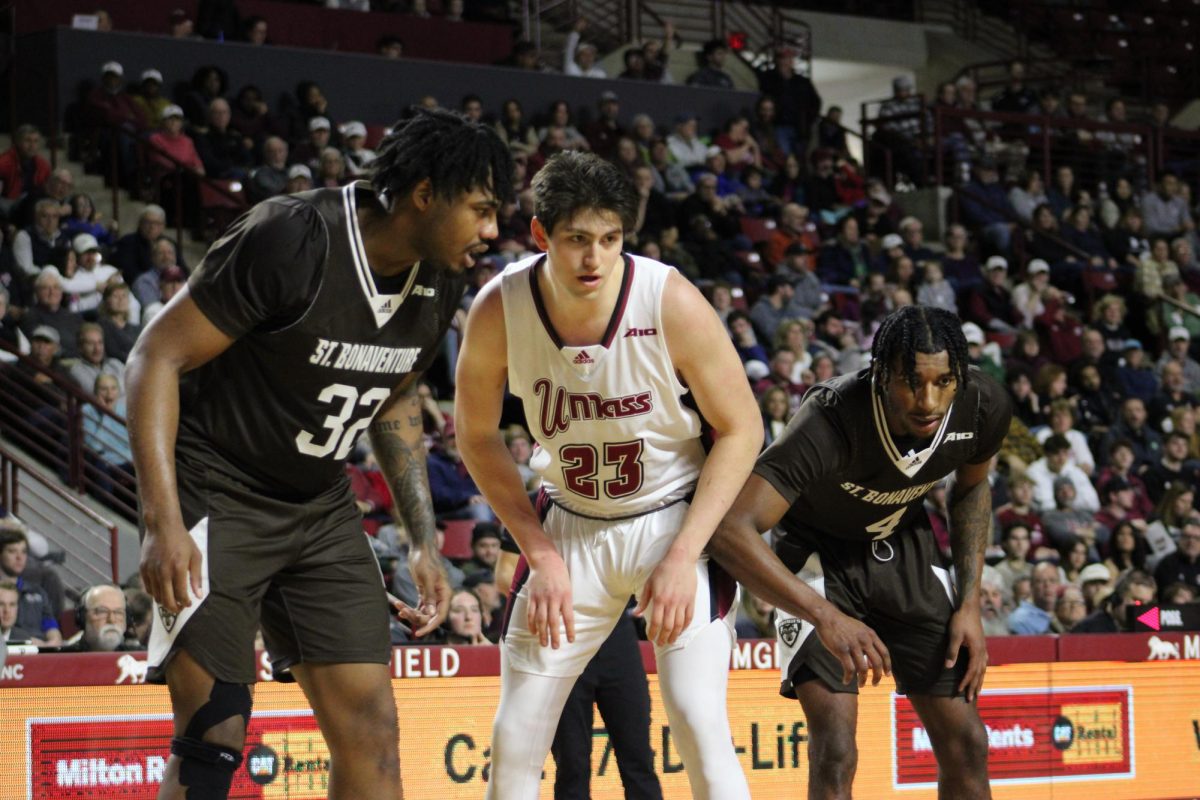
x: 102, y: 616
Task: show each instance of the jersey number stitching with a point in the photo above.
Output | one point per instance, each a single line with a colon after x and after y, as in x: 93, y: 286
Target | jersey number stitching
x: 885, y: 526
x: 342, y: 437
x: 580, y: 465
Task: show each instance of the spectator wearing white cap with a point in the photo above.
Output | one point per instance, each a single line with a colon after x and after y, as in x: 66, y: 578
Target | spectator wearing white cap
x: 299, y: 178
x: 977, y: 351
x: 85, y: 283
x: 891, y: 250
x: 109, y: 105
x: 1096, y: 581
x: 111, y: 113
x: 1029, y: 297
x: 171, y: 147
x: 358, y: 156
x: 49, y: 310
x: 308, y: 151
x: 1179, y: 342
x: 990, y: 306
x: 38, y: 375
x: 149, y: 97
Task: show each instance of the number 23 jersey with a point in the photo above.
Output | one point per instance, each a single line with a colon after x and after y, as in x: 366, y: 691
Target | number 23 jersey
x: 614, y: 435
x: 320, y: 342
x: 845, y: 475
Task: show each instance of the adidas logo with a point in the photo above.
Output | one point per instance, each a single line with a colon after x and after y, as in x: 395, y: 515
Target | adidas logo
x: 583, y: 358
x: 385, y: 306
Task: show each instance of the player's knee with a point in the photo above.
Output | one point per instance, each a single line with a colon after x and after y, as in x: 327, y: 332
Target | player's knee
x: 222, y: 720
x: 210, y: 749
x: 365, y: 725
x: 966, y: 748
x: 833, y: 758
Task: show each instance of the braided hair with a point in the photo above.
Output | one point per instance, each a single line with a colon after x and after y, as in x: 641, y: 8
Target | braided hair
x: 455, y: 154
x: 917, y: 329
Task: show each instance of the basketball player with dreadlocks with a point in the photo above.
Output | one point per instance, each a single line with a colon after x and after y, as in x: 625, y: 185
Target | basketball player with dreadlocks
x: 309, y: 322
x: 855, y: 561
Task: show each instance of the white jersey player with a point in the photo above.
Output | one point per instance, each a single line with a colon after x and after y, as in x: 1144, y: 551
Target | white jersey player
x: 602, y: 349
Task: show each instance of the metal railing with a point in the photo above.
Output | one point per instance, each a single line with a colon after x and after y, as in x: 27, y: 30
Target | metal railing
x: 223, y: 194
x: 1155, y: 148
x: 43, y: 504
x: 615, y: 23
x: 44, y: 414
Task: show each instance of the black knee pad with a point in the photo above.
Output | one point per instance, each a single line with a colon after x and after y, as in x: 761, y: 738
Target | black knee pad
x: 205, y: 770
x: 226, y: 700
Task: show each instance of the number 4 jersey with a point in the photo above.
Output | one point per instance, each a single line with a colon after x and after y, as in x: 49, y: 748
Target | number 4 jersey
x: 320, y: 342
x: 614, y: 435
x: 845, y: 475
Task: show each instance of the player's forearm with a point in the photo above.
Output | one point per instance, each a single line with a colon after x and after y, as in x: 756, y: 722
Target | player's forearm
x: 495, y: 473
x: 739, y: 548
x: 970, y: 525
x: 152, y: 416
x: 397, y: 439
x: 724, y: 473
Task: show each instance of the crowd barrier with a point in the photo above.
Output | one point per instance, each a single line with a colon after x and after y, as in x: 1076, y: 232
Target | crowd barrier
x: 1068, y: 717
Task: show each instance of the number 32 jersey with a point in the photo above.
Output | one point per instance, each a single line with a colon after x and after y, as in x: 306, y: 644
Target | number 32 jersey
x: 320, y: 342
x: 614, y: 436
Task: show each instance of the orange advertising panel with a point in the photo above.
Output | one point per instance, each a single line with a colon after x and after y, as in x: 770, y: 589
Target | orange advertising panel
x: 1059, y: 731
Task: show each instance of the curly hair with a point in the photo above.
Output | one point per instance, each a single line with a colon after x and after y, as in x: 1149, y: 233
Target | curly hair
x: 917, y: 329
x: 455, y: 154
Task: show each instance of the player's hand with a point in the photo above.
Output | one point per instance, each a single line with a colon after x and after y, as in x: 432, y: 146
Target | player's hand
x: 966, y: 630
x: 410, y: 616
x: 170, y: 562
x: 549, y: 600
x: 855, y: 645
x: 670, y: 595
x: 433, y: 590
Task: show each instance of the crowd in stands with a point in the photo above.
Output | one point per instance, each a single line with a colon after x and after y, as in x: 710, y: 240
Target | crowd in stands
x: 1078, y: 290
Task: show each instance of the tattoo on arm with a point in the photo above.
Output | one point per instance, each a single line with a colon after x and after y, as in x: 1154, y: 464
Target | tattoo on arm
x: 970, y: 524
x: 400, y: 451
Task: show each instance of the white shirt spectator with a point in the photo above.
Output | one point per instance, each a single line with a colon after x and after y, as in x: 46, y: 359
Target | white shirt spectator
x: 573, y: 69
x: 687, y: 153
x: 1043, y: 479
x: 1081, y: 454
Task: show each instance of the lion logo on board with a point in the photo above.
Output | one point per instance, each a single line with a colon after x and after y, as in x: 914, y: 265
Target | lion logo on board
x: 789, y: 631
